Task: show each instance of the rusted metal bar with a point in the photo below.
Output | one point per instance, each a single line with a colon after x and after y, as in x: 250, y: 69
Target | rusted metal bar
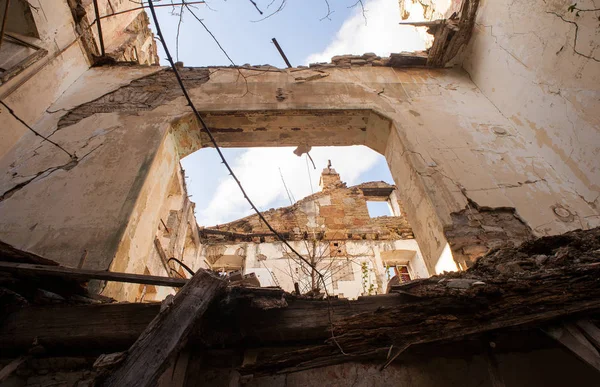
x: 96, y: 10
x: 165, y: 226
x: 287, y: 62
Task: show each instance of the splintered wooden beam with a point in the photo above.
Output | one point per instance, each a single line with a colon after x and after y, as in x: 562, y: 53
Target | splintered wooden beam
x: 11, y: 367
x: 448, y: 307
x: 86, y: 275
x: 573, y: 337
x: 164, y: 337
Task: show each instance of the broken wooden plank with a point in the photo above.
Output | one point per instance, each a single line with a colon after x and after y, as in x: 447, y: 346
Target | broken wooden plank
x: 590, y: 330
x: 114, y: 327
x: 564, y: 286
x: 11, y: 367
x: 576, y: 342
x: 164, y: 337
x: 12, y: 254
x: 86, y: 275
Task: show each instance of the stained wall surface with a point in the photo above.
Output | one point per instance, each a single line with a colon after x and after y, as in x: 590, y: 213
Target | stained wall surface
x: 332, y: 230
x: 492, y: 155
x: 442, y: 137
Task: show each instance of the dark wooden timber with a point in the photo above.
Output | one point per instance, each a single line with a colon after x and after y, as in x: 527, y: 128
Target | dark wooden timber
x: 573, y: 338
x: 358, y: 324
x: 86, y: 275
x: 313, y: 333
x: 11, y: 254
x: 166, y: 335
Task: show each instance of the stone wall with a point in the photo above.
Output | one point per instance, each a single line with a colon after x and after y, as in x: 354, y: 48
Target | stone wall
x: 332, y: 230
x: 336, y: 213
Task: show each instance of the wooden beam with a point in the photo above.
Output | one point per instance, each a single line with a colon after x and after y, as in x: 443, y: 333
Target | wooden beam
x: 430, y: 311
x: 590, y: 330
x: 166, y: 335
x: 86, y: 275
x: 574, y: 340
x: 11, y: 367
x: 12, y: 254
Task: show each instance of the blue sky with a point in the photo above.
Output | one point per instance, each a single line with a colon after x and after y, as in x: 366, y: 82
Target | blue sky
x: 305, y: 37
x: 297, y: 28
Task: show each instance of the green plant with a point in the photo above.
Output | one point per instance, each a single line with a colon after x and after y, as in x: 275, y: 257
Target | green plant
x: 367, y: 285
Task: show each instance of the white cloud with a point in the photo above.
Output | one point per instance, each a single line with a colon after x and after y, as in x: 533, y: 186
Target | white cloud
x: 382, y: 34
x: 258, y: 170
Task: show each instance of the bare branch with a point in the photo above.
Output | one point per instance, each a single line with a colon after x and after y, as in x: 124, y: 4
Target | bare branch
x: 279, y: 9
x: 329, y: 12
x: 362, y: 8
x: 256, y: 6
x: 222, y: 49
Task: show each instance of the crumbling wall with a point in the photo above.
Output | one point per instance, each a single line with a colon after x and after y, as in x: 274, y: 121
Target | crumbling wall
x: 337, y: 213
x: 67, y: 51
x: 475, y: 231
x: 538, y: 64
x: 351, y: 268
x: 446, y: 144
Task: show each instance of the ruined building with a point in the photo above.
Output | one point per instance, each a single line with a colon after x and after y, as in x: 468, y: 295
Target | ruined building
x: 492, y: 138
x: 332, y: 229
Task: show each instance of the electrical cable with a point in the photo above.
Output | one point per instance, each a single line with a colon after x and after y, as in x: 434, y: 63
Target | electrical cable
x: 214, y: 142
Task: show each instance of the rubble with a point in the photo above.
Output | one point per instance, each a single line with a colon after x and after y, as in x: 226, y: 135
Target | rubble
x: 452, y: 306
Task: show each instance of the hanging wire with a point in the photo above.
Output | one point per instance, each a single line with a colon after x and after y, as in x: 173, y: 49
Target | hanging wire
x: 216, y: 145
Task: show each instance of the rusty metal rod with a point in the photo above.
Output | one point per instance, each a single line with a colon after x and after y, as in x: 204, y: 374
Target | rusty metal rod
x: 287, y: 62
x: 102, y: 52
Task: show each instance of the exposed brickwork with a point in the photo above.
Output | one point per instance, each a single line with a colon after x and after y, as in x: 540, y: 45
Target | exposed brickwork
x: 140, y: 95
x: 336, y: 213
x: 137, y: 44
x: 476, y: 230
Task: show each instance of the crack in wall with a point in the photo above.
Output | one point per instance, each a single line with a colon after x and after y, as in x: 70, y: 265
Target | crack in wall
x: 43, y: 174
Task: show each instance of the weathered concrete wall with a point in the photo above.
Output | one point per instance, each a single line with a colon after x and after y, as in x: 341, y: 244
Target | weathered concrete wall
x: 445, y: 143
x: 46, y: 79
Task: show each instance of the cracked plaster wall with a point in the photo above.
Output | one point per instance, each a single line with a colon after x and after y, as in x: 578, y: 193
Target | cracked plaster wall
x: 271, y: 263
x: 444, y: 141
x: 42, y: 83
x: 523, y: 58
